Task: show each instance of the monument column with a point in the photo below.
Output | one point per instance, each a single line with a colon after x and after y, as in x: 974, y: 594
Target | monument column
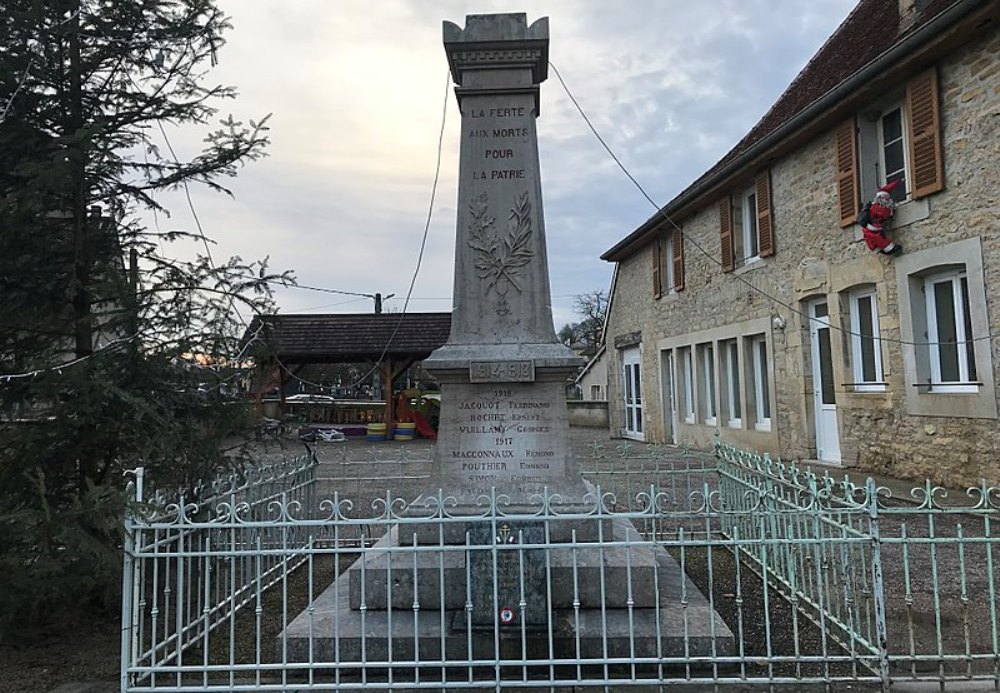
x: 518, y: 588
x: 503, y: 371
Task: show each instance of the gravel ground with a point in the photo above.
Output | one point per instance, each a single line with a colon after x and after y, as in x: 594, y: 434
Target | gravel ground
x: 965, y: 578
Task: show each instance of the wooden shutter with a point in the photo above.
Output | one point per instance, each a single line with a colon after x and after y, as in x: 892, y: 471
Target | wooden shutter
x: 925, y: 134
x: 848, y: 197
x: 726, y: 234
x: 765, y: 226
x: 678, y: 260
x: 657, y: 273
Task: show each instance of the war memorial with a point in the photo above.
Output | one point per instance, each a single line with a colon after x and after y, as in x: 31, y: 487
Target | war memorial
x: 509, y: 552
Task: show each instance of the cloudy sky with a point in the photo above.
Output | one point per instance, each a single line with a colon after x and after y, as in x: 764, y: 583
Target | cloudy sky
x: 357, y: 87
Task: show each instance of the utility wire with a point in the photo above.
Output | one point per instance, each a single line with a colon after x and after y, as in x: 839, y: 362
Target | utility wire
x: 717, y: 261
x: 329, y: 291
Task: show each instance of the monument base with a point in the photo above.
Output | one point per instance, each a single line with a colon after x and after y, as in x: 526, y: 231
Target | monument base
x: 404, y: 606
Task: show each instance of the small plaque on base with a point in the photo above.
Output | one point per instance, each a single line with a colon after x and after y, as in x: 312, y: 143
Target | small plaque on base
x: 502, y: 371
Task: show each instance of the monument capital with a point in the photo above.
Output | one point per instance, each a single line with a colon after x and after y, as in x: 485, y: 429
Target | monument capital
x: 497, y: 41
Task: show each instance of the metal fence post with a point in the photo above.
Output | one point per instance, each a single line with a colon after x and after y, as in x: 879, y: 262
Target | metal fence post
x: 130, y: 582
x: 878, y: 583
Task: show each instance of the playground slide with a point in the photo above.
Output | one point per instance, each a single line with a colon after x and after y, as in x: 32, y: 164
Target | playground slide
x: 423, y: 428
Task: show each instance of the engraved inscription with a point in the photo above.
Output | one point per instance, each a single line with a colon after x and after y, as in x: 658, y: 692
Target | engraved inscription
x: 502, y: 371
x: 503, y: 433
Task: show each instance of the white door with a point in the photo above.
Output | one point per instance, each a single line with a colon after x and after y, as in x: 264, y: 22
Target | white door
x: 824, y: 396
x: 632, y: 391
x: 669, y: 399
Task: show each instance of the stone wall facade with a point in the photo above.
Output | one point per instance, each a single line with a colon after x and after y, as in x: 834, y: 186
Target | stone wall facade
x: 907, y: 430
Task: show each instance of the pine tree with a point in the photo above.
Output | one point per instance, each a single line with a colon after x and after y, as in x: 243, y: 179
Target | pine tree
x: 112, y: 353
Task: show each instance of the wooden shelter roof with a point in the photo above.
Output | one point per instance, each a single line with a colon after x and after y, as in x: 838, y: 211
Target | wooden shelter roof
x: 352, y: 337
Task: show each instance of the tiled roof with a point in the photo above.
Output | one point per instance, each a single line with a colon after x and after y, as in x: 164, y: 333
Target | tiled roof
x: 871, y: 29
x: 347, y: 337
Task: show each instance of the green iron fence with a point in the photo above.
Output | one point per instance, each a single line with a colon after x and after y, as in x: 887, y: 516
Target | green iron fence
x: 732, y: 569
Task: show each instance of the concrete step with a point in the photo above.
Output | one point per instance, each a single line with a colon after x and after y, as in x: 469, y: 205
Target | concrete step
x: 622, y: 572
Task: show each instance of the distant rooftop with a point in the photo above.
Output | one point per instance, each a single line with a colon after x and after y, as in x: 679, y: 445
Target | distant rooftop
x: 352, y: 337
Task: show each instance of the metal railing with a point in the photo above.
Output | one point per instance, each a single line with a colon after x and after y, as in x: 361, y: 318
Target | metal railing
x: 679, y: 567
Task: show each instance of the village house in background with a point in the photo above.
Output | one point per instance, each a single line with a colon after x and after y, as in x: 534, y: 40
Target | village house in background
x: 590, y: 408
x: 750, y: 307
x: 592, y: 382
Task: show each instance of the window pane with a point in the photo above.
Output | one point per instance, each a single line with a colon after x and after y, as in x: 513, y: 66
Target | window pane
x: 867, y: 330
x: 970, y: 351
x: 892, y: 125
x: 735, y: 407
x: 947, y: 331
x: 628, y: 382
x: 765, y: 393
x: 825, y: 366
x: 893, y: 158
x: 750, y: 236
x: 709, y: 382
x: 821, y: 311
x: 666, y: 265
x: 638, y: 387
x: 899, y: 192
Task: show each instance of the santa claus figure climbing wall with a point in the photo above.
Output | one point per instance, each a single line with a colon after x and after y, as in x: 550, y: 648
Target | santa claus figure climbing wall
x: 874, y: 220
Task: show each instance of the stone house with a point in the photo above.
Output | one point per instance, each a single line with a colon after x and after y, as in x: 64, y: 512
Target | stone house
x: 592, y: 381
x: 750, y: 307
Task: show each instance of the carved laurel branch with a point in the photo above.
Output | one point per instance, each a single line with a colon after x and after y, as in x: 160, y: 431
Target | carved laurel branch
x: 500, y: 260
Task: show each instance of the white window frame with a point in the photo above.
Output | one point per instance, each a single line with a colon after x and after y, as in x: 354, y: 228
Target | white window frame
x: 961, y: 313
x: 706, y: 357
x: 761, y: 384
x: 731, y: 366
x: 687, y: 384
x: 751, y: 234
x: 595, y: 392
x: 904, y: 139
x: 857, y: 352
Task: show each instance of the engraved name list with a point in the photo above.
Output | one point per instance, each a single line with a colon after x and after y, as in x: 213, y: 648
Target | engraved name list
x: 503, y: 440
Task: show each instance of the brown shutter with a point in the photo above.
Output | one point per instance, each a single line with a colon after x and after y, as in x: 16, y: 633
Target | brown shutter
x: 657, y: 274
x: 925, y: 134
x: 726, y: 234
x: 678, y: 260
x: 765, y: 226
x: 848, y: 197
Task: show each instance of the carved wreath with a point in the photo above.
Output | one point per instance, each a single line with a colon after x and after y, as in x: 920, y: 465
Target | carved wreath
x: 500, y: 260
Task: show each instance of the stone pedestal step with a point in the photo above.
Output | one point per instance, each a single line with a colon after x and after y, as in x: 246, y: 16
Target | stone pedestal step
x: 627, y: 570
x: 332, y: 631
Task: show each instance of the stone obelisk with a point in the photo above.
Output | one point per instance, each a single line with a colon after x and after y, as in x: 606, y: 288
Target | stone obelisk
x: 503, y: 371
x: 504, y: 427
